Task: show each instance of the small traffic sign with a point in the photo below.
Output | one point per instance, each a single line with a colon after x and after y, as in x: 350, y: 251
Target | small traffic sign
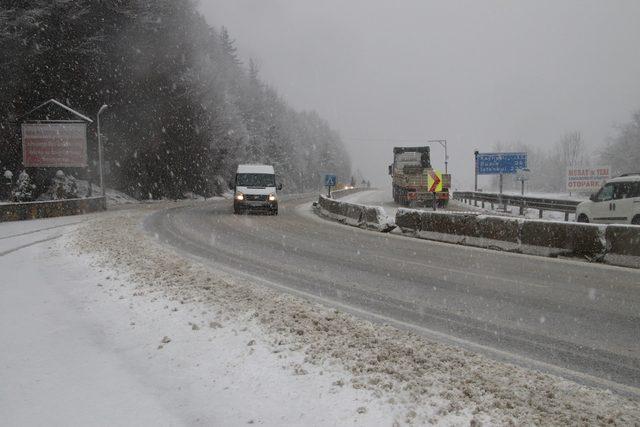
x: 330, y: 180
x: 434, y: 181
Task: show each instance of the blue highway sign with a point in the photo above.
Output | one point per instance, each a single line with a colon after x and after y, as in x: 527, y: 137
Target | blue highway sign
x: 497, y: 163
x: 330, y: 180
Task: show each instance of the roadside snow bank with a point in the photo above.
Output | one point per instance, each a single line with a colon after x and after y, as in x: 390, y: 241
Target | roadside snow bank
x: 83, y: 345
x: 413, y: 379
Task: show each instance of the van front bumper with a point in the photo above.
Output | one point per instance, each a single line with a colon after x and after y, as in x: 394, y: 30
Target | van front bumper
x: 250, y: 205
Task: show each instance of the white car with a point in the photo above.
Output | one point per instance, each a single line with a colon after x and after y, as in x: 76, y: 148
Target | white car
x: 618, y: 201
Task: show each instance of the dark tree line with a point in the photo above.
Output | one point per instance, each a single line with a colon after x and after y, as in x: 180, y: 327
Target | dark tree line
x: 183, y: 109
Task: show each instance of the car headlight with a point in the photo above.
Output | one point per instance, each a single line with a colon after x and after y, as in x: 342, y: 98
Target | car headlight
x: 239, y: 196
x: 272, y: 197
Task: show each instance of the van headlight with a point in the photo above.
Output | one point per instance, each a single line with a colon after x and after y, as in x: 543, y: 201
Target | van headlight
x: 272, y: 197
x: 239, y: 196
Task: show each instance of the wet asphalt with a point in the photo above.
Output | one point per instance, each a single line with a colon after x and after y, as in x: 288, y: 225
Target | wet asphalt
x: 568, y: 317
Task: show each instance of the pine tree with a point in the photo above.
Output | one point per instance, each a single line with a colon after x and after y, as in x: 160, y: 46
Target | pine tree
x: 183, y: 112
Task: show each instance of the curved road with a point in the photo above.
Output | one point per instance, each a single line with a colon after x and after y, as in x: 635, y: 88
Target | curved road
x: 572, y: 318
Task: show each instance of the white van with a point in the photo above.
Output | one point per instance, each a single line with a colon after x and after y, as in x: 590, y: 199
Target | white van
x: 255, y: 189
x: 617, y: 202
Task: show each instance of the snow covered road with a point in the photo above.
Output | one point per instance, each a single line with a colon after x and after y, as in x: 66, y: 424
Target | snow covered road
x: 575, y: 316
x: 106, y: 323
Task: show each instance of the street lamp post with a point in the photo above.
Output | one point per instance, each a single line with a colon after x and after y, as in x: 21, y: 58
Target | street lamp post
x: 104, y: 107
x: 443, y: 143
x: 475, y: 187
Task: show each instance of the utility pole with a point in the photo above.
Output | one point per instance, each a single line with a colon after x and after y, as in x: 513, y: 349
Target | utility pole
x: 500, y: 195
x: 443, y: 143
x: 475, y: 154
x: 104, y: 107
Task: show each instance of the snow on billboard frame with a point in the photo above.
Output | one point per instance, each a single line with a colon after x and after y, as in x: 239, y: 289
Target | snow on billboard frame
x: 55, y: 143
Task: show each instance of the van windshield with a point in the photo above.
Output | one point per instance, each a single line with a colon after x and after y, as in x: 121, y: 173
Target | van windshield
x: 255, y: 180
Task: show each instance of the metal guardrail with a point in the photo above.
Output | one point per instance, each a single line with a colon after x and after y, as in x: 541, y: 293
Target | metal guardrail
x: 523, y: 202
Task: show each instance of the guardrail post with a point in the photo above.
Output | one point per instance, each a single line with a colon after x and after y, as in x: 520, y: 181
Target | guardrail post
x: 540, y: 213
x: 483, y: 204
x: 566, y: 216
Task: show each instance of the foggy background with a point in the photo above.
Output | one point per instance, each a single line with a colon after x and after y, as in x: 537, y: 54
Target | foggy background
x: 476, y: 73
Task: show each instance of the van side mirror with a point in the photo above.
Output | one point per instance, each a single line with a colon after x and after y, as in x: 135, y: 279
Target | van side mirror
x: 594, y: 197
x: 390, y: 169
x: 279, y: 187
x: 231, y: 185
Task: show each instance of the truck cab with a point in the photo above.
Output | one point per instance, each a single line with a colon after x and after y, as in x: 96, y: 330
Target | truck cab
x: 255, y: 189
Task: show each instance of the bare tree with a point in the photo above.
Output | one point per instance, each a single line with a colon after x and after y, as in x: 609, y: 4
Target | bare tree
x: 572, y: 149
x: 622, y: 152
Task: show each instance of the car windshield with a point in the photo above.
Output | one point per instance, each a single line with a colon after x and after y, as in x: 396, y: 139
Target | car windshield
x: 255, y: 180
x: 606, y: 193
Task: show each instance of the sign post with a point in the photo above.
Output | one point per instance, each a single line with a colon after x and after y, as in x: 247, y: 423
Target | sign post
x: 329, y: 181
x: 475, y: 155
x: 522, y: 175
x: 434, y: 182
x: 104, y: 107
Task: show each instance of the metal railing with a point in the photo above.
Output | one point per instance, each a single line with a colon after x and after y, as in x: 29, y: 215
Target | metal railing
x: 523, y: 202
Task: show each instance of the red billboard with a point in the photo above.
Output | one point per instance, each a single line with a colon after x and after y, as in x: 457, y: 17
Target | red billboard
x: 54, y: 145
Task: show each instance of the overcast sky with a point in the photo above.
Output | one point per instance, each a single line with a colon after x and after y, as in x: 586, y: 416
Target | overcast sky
x: 388, y: 73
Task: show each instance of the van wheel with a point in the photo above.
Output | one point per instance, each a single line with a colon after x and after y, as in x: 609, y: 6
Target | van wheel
x: 636, y: 220
x: 583, y: 218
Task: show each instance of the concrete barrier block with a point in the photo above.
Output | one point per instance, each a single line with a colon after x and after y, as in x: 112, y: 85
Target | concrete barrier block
x: 377, y: 218
x: 408, y: 219
x: 441, y: 222
x: 578, y: 239
x: 356, y: 212
x: 497, y: 228
x: 372, y: 217
x: 623, y: 240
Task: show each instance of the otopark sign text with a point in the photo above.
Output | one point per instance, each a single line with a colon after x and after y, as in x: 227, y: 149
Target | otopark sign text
x: 587, y: 179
